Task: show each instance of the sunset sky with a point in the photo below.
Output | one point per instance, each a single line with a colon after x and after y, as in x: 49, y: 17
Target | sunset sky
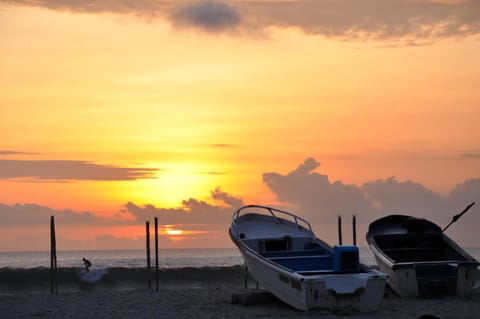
x: 112, y: 112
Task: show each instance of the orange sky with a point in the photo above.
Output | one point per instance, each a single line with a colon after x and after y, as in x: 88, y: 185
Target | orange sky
x: 162, y: 102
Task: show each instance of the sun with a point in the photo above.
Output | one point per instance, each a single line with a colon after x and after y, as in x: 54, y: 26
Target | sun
x: 169, y: 230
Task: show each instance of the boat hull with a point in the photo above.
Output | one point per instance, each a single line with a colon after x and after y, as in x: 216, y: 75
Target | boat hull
x: 287, y: 259
x: 429, y: 280
x: 415, y: 269
x: 362, y: 292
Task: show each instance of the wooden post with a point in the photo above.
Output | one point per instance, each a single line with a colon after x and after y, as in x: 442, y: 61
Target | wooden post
x: 156, y: 252
x: 354, y: 226
x: 149, y: 270
x: 339, y: 229
x: 53, y: 257
x: 246, y: 276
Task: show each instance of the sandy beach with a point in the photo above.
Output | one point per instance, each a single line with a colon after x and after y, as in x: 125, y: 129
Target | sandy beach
x: 210, y: 303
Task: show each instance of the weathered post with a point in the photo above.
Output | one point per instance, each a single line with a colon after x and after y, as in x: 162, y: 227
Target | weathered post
x: 245, y: 276
x: 53, y: 257
x: 354, y: 226
x: 149, y: 270
x: 156, y: 252
x: 339, y: 229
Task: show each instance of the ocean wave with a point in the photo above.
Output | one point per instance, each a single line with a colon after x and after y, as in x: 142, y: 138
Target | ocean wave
x: 75, y: 279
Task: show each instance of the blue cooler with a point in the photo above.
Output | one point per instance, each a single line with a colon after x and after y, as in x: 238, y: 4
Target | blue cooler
x: 346, y: 259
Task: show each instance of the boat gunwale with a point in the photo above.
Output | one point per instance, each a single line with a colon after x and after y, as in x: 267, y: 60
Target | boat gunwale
x: 392, y: 263
x: 303, y: 276
x: 298, y: 274
x: 272, y: 210
x: 241, y: 245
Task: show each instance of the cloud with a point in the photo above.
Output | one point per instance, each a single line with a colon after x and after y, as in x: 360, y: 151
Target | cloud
x: 222, y: 145
x: 10, y: 152
x: 231, y: 201
x: 303, y: 191
x: 32, y: 214
x: 404, y: 22
x: 193, y: 211
x: 465, y: 192
x: 314, y: 197
x: 210, y: 16
x: 321, y: 200
x: 314, y: 194
x: 141, y: 8
x: 395, y: 196
x: 473, y: 154
x: 57, y: 170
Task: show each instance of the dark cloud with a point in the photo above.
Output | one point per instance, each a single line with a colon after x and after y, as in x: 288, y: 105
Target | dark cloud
x: 210, y: 16
x: 9, y: 152
x: 32, y: 214
x: 142, y: 8
x: 193, y: 211
x: 395, y: 196
x: 222, y: 145
x: 400, y: 21
x: 321, y: 200
x: 311, y: 194
x: 405, y: 20
x: 231, y: 201
x: 212, y: 173
x: 315, y: 195
x: 58, y: 170
x: 472, y: 154
x: 464, y: 193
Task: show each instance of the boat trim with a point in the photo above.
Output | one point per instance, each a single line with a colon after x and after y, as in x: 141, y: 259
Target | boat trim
x: 272, y: 211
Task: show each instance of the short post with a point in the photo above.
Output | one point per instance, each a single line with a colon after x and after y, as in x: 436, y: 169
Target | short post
x: 354, y: 229
x: 149, y: 270
x: 53, y: 257
x: 246, y: 276
x: 156, y: 252
x: 339, y: 229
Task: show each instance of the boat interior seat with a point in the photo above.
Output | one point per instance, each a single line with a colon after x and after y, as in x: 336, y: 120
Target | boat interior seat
x: 417, y: 247
x: 287, y: 243
x: 409, y: 240
x: 294, y: 253
x: 305, y: 263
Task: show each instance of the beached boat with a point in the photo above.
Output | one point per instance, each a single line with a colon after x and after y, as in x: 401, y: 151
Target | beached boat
x: 419, y: 259
x: 284, y: 256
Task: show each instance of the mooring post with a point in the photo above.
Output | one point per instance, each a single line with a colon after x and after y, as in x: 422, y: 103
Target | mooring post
x: 339, y: 229
x: 246, y: 276
x: 147, y: 238
x: 53, y: 257
x: 354, y: 226
x: 156, y: 252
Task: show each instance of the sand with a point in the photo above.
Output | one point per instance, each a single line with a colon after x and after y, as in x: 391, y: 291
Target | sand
x: 210, y: 303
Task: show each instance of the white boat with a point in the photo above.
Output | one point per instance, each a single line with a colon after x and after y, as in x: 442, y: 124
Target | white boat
x: 420, y: 260
x: 285, y: 257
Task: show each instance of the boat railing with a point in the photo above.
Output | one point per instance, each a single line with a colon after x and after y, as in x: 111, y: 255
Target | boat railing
x: 275, y: 213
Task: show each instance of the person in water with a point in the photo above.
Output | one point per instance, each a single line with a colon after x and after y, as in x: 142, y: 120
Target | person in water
x: 87, y: 264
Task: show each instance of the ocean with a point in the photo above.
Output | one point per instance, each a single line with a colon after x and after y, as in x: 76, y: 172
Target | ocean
x: 126, y: 269
x: 168, y: 258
